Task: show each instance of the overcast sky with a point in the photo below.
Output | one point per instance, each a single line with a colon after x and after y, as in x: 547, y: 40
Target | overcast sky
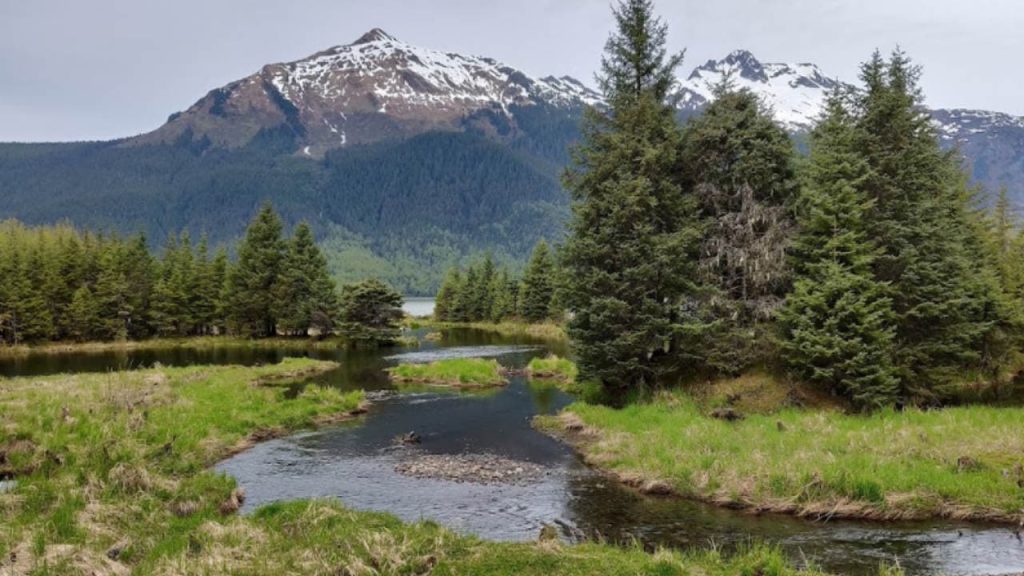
x: 100, y: 69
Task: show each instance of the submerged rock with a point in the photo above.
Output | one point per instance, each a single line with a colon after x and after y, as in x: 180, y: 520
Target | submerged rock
x: 408, y: 438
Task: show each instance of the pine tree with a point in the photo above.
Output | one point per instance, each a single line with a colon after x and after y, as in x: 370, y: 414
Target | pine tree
x: 739, y: 163
x: 837, y: 323
x: 139, y: 273
x: 205, y: 291
x: 36, y: 320
x: 371, y: 312
x: 504, y: 291
x: 538, y: 285
x: 943, y: 296
x: 172, y: 292
x: 250, y: 298
x: 484, y: 296
x: 446, y: 301
x: 83, y: 315
x: 633, y: 230
x: 112, y: 295
x: 220, y: 275
x: 305, y: 292
x: 24, y: 314
x: 468, y: 305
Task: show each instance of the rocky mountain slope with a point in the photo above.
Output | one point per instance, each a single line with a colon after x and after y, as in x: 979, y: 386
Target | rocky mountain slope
x: 377, y: 88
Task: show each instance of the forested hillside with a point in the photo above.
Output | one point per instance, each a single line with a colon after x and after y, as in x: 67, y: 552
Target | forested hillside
x: 403, y: 210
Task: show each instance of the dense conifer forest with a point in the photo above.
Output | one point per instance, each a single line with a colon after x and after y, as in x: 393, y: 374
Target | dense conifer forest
x: 866, y: 267
x: 59, y: 283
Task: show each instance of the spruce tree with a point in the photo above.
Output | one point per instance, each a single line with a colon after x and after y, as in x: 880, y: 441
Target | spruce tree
x: 83, y: 315
x: 538, y: 285
x: 112, y: 295
x: 740, y: 164
x: 945, y: 305
x: 220, y: 275
x: 371, y: 312
x: 468, y: 306
x: 633, y: 229
x: 306, y: 294
x: 250, y: 299
x: 445, y: 303
x: 837, y: 324
x: 504, y: 291
x: 205, y: 291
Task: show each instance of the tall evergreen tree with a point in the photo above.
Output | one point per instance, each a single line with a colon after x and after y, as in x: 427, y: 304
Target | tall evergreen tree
x: 633, y: 228
x: 538, y: 285
x: 446, y: 302
x: 205, y: 290
x: 220, y: 268
x: 83, y: 314
x: 504, y: 291
x: 112, y: 295
x: 739, y: 163
x: 944, y: 302
x: 837, y: 324
x: 306, y: 294
x: 250, y: 298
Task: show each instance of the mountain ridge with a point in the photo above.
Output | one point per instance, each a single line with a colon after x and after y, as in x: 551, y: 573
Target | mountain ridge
x: 376, y: 88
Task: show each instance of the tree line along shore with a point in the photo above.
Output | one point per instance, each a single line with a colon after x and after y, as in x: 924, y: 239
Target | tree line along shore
x: 58, y: 284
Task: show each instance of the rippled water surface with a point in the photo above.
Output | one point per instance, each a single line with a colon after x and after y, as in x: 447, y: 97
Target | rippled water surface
x: 356, y: 463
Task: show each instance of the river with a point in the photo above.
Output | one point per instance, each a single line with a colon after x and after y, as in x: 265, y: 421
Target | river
x: 356, y: 463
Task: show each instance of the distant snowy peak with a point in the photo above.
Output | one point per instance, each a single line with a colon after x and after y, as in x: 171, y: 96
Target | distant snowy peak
x: 376, y: 88
x: 401, y: 78
x: 960, y: 124
x: 795, y: 92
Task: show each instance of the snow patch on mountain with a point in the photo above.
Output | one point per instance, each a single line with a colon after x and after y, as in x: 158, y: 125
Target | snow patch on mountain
x: 795, y: 92
x: 400, y: 77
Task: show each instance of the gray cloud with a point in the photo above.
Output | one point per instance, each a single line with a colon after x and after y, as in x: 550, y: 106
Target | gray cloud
x: 110, y: 68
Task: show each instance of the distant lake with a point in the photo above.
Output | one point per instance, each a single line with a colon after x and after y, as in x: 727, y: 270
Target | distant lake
x: 418, y: 306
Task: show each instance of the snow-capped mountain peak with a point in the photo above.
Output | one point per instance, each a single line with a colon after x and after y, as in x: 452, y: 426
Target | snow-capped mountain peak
x: 375, y: 88
x: 375, y: 35
x: 795, y: 92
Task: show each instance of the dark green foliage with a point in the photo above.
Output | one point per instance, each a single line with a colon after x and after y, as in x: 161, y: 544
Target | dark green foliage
x: 446, y: 306
x: 57, y: 283
x: 306, y: 295
x: 628, y: 258
x: 251, y: 304
x: 486, y: 293
x: 83, y: 315
x: 946, y: 304
x: 24, y: 315
x: 739, y: 163
x: 535, y: 304
x: 837, y: 323
x: 371, y: 311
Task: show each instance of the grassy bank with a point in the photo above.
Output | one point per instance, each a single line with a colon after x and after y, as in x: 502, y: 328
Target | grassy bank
x: 111, y: 476
x: 552, y: 368
x: 543, y: 331
x: 453, y: 372
x: 195, y: 343
x: 963, y: 463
